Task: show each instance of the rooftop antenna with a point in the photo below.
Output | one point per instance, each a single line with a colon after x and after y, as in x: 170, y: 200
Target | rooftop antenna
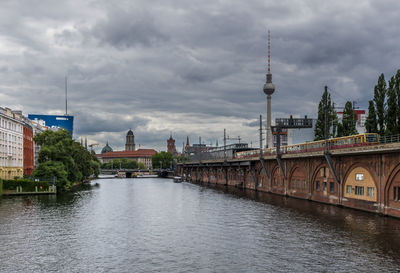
x: 66, y: 99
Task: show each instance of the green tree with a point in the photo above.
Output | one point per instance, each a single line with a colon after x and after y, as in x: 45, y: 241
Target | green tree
x: 371, y: 124
x: 379, y: 99
x: 340, y: 130
x: 391, y: 112
x: 182, y: 158
x: 397, y: 90
x: 349, y: 120
x: 319, y: 131
x: 123, y: 163
x: 163, y: 160
x: 50, y: 169
x: 59, y: 148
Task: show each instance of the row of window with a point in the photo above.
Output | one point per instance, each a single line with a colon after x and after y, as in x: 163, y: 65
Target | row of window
x: 324, y: 186
x: 10, y: 137
x: 359, y: 190
x: 297, y: 184
x: 10, y: 125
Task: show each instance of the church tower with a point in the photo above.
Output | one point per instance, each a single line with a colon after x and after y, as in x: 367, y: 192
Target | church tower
x: 171, y: 145
x: 130, y: 141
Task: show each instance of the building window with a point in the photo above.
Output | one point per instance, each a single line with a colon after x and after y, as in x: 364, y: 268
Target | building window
x: 359, y: 176
x: 323, y: 172
x: 317, y: 186
x: 349, y: 189
x: 359, y: 190
x: 370, y: 191
x: 396, y: 193
x: 332, y: 186
x: 324, y: 186
x: 304, y: 185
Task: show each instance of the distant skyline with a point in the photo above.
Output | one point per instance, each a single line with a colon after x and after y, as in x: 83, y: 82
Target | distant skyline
x: 162, y: 66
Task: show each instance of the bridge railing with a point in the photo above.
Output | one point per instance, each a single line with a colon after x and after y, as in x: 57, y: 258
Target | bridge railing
x: 389, y: 139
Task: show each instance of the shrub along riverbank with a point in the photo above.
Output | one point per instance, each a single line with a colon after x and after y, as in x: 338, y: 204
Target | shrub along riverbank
x: 25, y: 186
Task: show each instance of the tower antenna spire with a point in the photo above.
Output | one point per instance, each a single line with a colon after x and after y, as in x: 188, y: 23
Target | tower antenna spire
x: 269, y: 51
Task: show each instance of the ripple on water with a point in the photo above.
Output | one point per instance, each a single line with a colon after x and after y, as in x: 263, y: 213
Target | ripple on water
x: 154, y: 225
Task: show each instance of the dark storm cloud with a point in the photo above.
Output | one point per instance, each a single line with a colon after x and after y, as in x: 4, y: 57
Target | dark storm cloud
x: 100, y: 122
x: 128, y: 29
x: 162, y: 66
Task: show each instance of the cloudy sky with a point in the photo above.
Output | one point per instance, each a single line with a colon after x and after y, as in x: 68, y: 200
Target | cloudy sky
x: 190, y: 67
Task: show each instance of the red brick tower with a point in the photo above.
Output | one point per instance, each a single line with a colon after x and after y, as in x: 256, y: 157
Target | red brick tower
x: 171, y: 145
x: 28, y: 150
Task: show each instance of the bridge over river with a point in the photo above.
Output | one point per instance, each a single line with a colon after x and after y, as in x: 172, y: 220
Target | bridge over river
x: 361, y: 177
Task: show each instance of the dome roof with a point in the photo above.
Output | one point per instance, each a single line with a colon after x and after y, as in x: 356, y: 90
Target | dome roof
x: 106, y: 149
x: 130, y: 133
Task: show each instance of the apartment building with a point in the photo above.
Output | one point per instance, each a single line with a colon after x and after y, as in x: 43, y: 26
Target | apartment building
x: 11, y: 143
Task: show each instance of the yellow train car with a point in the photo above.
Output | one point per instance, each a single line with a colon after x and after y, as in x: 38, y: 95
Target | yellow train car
x: 313, y: 146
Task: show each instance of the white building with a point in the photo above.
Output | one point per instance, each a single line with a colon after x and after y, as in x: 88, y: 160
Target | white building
x: 38, y: 127
x: 11, y: 143
x: 361, y: 117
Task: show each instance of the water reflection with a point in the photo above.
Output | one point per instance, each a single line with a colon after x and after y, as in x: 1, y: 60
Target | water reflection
x: 154, y: 225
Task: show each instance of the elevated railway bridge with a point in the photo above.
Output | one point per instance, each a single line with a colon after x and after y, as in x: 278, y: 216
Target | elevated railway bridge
x: 361, y: 177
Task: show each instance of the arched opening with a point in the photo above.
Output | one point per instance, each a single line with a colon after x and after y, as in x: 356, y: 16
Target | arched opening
x: 393, y: 191
x: 324, y: 184
x: 278, y: 181
x: 360, y: 185
x: 298, y: 181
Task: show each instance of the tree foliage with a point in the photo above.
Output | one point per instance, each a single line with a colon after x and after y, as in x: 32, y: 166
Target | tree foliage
x: 162, y: 159
x: 371, y: 124
x: 391, y: 113
x: 379, y: 99
x: 51, y: 169
x: 332, y: 118
x: 349, y: 120
x: 64, y: 158
x: 397, y: 91
x: 123, y: 163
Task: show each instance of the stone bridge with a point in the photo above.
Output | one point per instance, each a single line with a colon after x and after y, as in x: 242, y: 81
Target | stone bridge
x: 368, y: 177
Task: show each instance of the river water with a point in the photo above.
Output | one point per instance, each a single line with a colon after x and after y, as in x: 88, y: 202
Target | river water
x: 155, y: 225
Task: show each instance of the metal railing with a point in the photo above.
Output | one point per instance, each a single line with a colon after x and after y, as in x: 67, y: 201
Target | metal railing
x: 389, y: 139
x: 50, y: 180
x: 230, y: 154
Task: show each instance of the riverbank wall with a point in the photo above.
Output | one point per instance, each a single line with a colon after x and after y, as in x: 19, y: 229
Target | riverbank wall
x: 369, y: 182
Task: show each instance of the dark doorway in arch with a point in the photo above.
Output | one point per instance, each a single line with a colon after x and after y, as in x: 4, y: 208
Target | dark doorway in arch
x: 128, y: 175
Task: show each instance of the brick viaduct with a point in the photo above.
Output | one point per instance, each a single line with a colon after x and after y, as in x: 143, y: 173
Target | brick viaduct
x: 369, y: 177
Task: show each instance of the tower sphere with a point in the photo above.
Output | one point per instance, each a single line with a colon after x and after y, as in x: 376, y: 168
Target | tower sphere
x: 269, y: 87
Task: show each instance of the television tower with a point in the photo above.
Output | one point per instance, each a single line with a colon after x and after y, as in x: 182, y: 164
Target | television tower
x: 269, y: 89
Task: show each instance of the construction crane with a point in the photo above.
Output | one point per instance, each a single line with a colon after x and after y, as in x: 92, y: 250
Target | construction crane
x: 92, y: 145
